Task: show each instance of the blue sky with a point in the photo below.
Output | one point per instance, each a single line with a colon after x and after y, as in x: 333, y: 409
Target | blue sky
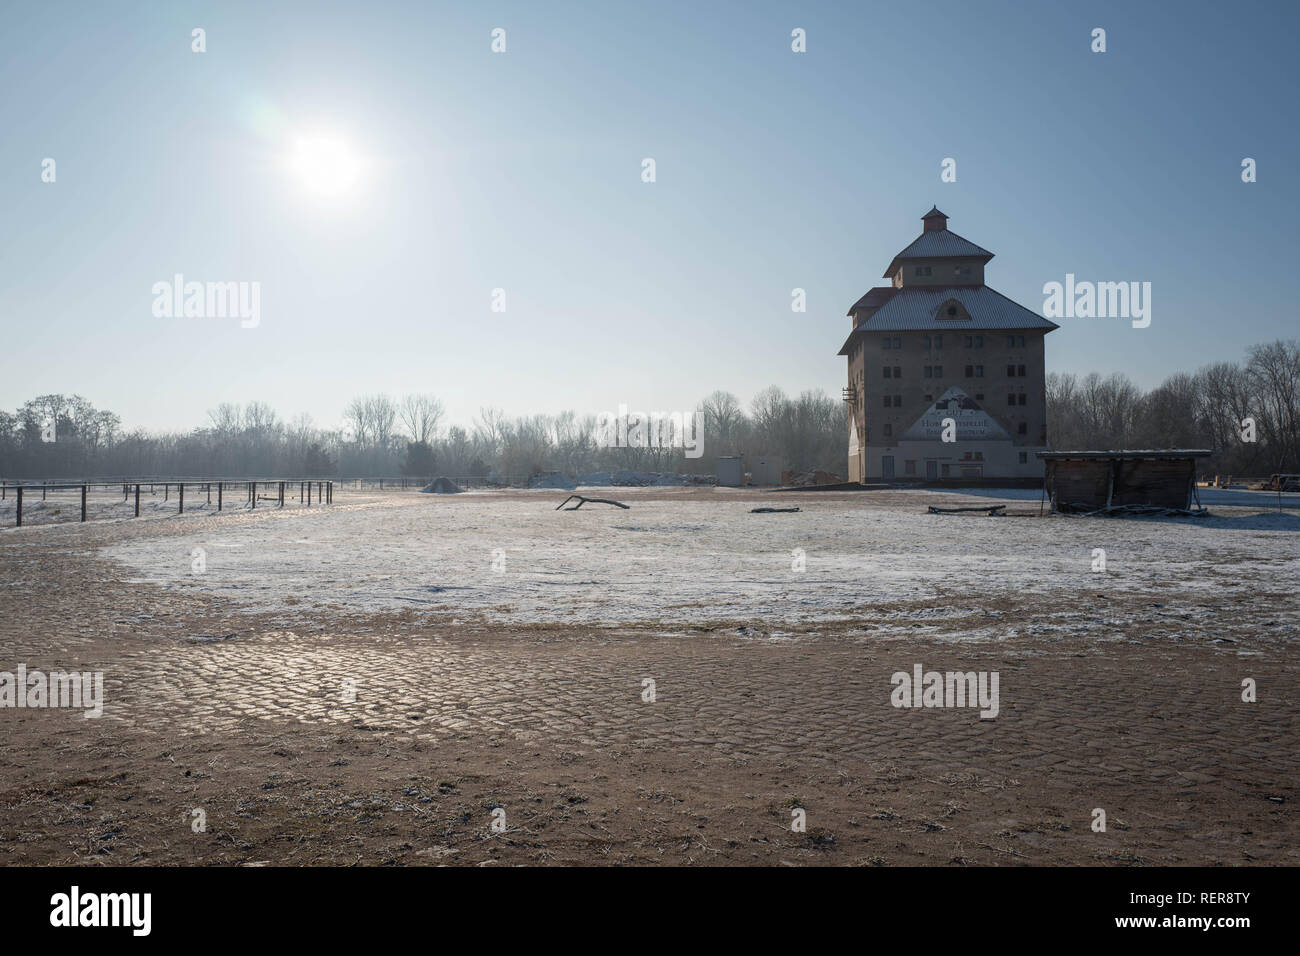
x: 522, y: 171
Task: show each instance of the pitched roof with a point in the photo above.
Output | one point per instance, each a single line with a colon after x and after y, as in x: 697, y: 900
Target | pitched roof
x: 938, y: 244
x: 917, y: 310
x: 873, y: 299
x: 934, y: 213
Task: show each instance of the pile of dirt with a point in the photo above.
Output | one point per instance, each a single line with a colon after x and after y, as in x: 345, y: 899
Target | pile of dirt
x: 441, y: 486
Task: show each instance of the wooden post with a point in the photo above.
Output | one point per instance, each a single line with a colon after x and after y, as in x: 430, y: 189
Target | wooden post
x: 43, y: 484
x: 282, y: 494
x: 253, y: 490
x: 83, y: 502
x: 20, y: 507
x: 219, y: 487
x: 181, y: 486
x: 137, y: 501
x: 309, y: 494
x: 167, y: 490
x: 209, y: 489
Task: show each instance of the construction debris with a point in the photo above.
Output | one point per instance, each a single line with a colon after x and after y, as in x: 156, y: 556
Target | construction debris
x: 557, y: 480
x: 993, y: 511
x: 582, y: 500
x: 807, y: 479
x: 1137, y: 511
x: 771, y: 511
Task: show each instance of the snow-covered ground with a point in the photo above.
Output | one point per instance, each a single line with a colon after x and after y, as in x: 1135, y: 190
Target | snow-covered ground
x: 688, y: 556
x: 63, y: 505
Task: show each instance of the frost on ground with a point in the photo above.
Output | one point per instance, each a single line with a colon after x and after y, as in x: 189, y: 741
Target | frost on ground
x: 683, y: 558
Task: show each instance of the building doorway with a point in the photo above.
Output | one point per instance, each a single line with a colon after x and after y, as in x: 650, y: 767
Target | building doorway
x: 931, y: 470
x: 887, y: 466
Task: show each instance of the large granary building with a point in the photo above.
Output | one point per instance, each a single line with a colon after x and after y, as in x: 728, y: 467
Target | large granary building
x: 946, y: 376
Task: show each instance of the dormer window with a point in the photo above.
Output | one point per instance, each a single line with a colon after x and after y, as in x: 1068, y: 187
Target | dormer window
x: 922, y: 271
x: 953, y: 309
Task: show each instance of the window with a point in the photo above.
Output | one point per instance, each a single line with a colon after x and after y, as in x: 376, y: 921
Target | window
x: 979, y: 371
x: 886, y: 342
x: 1011, y: 400
x: 1020, y: 370
x: 898, y: 372
x: 929, y: 371
x: 938, y: 371
x: 922, y: 271
x: 938, y: 341
x: 929, y: 398
x: 979, y: 396
x: 961, y: 270
x: 1011, y: 341
x: 1011, y: 371
x: 927, y: 341
x: 887, y: 371
x: 1021, y: 399
x: 909, y: 467
x: 898, y: 341
x: 943, y: 470
x: 898, y: 401
x: 1023, y: 429
x: 979, y: 341
x: 1024, y: 458
x: 970, y: 371
x: 889, y: 431
x: 886, y: 397
x: 1020, y: 341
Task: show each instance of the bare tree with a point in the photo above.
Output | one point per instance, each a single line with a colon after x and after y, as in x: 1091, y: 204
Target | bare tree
x: 420, y: 415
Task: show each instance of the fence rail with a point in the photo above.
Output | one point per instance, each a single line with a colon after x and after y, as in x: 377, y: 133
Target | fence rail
x: 324, y: 489
x: 407, y: 483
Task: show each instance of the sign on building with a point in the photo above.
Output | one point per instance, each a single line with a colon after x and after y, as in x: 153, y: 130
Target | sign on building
x: 973, y: 423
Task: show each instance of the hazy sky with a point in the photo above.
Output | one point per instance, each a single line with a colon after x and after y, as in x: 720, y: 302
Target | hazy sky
x: 522, y: 171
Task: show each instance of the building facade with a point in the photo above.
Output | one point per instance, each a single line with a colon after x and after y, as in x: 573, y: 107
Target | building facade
x: 946, y: 376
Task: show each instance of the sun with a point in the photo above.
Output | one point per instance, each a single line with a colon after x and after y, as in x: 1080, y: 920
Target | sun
x: 325, y: 166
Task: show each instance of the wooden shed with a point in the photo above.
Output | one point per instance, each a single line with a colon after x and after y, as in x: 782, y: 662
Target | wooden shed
x: 1082, y: 481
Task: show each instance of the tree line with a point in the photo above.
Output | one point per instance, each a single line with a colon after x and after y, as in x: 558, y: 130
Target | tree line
x: 56, y: 436
x: 1247, y: 414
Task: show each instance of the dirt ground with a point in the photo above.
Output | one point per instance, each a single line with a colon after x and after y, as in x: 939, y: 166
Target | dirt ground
x: 347, y: 735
